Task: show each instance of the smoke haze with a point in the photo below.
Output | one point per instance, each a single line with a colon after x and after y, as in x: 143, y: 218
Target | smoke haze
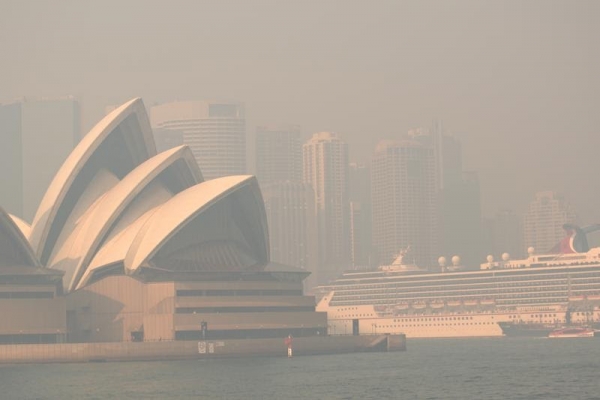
x: 516, y: 81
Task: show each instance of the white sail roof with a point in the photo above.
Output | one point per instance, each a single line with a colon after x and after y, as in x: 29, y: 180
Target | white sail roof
x: 115, y: 146
x: 179, y: 214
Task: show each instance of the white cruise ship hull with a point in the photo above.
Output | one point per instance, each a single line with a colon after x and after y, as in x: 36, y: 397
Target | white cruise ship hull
x: 553, y: 289
x: 423, y: 326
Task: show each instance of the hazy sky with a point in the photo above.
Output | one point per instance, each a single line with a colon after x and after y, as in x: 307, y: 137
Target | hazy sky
x: 517, y: 81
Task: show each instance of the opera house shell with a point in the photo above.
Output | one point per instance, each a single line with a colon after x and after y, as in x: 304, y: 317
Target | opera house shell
x: 134, y: 245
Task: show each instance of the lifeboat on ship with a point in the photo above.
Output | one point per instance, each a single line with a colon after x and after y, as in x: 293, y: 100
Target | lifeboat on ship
x: 576, y: 298
x: 488, y: 302
x: 471, y: 302
x: 454, y: 303
x: 419, y: 305
x: 437, y: 304
x: 401, y: 308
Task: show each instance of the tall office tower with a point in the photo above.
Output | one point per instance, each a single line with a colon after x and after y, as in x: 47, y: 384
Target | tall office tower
x: 214, y: 131
x: 36, y: 136
x: 459, y: 224
x: 543, y: 221
x: 292, y: 223
x: 325, y: 158
x: 278, y: 154
x: 507, y: 234
x: 447, y: 153
x: 404, y: 202
x: 359, y: 185
x: 166, y: 139
x: 459, y: 202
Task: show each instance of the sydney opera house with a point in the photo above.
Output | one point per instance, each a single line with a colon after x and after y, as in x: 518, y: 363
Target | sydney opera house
x: 131, y: 245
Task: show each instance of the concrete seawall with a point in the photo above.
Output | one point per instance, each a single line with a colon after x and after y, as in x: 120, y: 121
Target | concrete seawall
x: 130, y: 351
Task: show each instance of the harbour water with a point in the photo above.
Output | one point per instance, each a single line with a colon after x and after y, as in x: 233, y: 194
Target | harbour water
x: 499, y: 368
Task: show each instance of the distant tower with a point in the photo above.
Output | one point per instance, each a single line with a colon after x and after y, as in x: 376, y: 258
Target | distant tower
x: 166, y: 139
x: 36, y: 136
x: 458, y: 195
x: 326, y: 170
x: 543, y: 221
x: 215, y: 132
x: 403, y: 191
x: 289, y: 202
x: 278, y: 154
x: 359, y: 183
x: 292, y: 222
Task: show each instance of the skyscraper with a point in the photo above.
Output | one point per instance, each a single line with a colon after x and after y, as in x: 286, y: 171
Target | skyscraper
x: 278, y: 154
x: 403, y: 190
x: 543, y: 222
x: 289, y: 202
x: 359, y: 184
x: 458, y: 196
x: 292, y: 223
x: 214, y: 131
x: 167, y: 138
x: 36, y: 136
x: 459, y: 222
x: 326, y: 170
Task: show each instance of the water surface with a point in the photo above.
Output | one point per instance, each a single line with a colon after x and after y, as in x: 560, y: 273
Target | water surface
x: 501, y: 368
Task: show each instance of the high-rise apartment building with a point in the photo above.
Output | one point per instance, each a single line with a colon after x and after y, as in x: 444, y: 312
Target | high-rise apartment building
x: 278, y: 154
x: 459, y: 221
x: 458, y: 195
x: 447, y: 153
x: 167, y: 138
x: 543, y: 222
x: 403, y: 191
x: 36, y: 136
x: 214, y: 131
x: 289, y: 202
x: 325, y: 157
x: 292, y: 223
x: 359, y: 189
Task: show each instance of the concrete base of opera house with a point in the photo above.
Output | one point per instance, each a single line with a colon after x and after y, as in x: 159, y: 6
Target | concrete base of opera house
x: 150, y: 351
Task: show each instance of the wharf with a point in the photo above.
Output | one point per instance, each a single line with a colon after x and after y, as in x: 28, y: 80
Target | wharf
x: 149, y: 351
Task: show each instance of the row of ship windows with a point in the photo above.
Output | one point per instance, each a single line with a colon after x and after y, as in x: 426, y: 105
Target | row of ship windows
x: 420, y: 325
x: 235, y: 293
x: 503, y: 301
x: 465, y: 295
x: 221, y: 310
x: 427, y: 296
x: 463, y: 318
x: 406, y: 281
x: 533, y: 316
x: 470, y: 285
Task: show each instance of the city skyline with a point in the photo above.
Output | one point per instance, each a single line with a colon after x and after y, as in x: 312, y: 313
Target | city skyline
x: 174, y: 137
x: 285, y: 161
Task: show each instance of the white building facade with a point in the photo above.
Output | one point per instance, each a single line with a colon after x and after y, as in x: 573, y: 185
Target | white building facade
x: 214, y: 131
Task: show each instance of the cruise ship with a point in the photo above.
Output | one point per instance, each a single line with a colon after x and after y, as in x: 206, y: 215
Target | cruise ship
x: 556, y: 288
